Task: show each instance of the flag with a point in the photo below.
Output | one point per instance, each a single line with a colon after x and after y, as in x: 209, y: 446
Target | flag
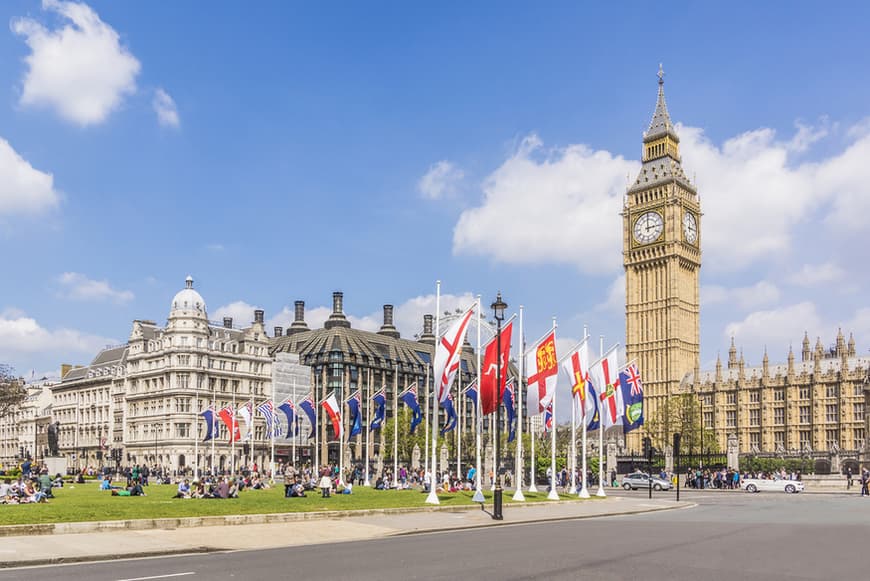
x: 380, y: 399
x: 576, y: 368
x: 509, y: 402
x: 451, y: 415
x: 211, y: 422
x: 594, y: 421
x: 548, y: 418
x: 409, y: 398
x: 605, y: 375
x: 307, y: 406
x: 489, y: 398
x: 471, y: 392
x: 247, y: 412
x: 267, y: 410
x: 353, y: 404
x: 448, y: 353
x: 228, y: 416
x: 632, y: 397
x: 330, y: 404
x: 290, y: 412
x: 542, y: 368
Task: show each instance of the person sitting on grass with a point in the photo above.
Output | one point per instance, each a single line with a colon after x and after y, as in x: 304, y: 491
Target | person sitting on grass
x: 234, y: 490
x: 297, y: 490
x: 32, y: 494
x: 345, y: 488
x: 325, y: 484
x: 136, y: 488
x: 183, y: 489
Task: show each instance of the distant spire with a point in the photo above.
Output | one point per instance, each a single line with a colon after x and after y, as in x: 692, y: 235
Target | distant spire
x: 661, y: 119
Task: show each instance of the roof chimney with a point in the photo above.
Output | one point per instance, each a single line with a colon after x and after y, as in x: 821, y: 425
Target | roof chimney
x: 428, y: 335
x: 259, y: 316
x: 279, y: 331
x: 388, y: 328
x: 298, y: 324
x: 337, y: 318
x: 228, y: 322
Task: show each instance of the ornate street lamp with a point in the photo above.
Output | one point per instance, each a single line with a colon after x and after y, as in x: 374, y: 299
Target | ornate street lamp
x: 498, y: 308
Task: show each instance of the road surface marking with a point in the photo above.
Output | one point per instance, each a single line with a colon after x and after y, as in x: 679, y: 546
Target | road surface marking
x: 159, y: 576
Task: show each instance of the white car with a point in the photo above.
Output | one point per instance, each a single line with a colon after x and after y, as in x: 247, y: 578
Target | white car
x: 771, y: 485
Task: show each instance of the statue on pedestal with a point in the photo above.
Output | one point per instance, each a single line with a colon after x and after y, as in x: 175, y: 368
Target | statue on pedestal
x: 53, y: 432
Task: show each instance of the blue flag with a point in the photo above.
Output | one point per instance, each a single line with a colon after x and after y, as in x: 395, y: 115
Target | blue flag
x: 211, y: 420
x: 290, y: 412
x: 409, y: 398
x: 355, y: 416
x: 632, y: 396
x: 508, y: 399
x: 307, y: 406
x: 595, y: 421
x: 380, y: 400
x: 451, y: 414
x: 471, y: 392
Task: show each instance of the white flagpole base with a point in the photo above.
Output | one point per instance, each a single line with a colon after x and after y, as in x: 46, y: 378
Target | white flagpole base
x: 367, y: 482
x: 478, y: 496
x: 396, y: 487
x: 600, y: 492
x: 553, y: 495
x: 432, y: 498
x: 492, y: 487
x: 584, y: 493
x: 518, y: 496
x: 573, y: 490
x: 533, y: 488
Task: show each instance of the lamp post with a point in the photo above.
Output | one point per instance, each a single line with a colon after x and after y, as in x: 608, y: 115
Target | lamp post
x: 498, y: 308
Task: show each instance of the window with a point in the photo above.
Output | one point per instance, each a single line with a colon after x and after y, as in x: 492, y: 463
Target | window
x: 832, y: 391
x: 859, y: 438
x: 805, y: 439
x: 754, y: 418
x: 805, y: 414
x: 755, y: 396
x: 184, y: 360
x: 732, y: 397
x: 708, y: 419
x: 858, y: 390
x: 831, y: 414
x: 779, y: 439
x: 779, y: 416
x: 832, y: 437
x: 182, y: 430
x: 858, y: 411
x: 183, y: 379
x: 223, y: 384
x: 731, y: 419
x: 805, y: 393
x: 755, y: 439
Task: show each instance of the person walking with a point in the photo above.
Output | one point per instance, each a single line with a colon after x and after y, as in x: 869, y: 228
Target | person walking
x: 865, y: 481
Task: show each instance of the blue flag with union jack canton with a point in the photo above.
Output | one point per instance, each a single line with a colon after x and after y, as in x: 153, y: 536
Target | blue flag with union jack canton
x: 290, y: 412
x: 211, y: 423
x: 451, y: 414
x: 509, y: 406
x: 380, y: 400
x: 307, y: 406
x: 632, y: 396
x: 355, y: 417
x: 409, y: 398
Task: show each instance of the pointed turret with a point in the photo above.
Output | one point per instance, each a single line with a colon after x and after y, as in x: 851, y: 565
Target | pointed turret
x: 732, y: 354
x: 851, y: 349
x: 765, y: 364
x: 661, y: 125
x: 718, y: 368
x: 805, y: 353
x: 841, y: 343
x: 790, y: 362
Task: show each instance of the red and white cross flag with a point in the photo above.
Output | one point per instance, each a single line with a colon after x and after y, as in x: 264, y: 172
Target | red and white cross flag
x: 447, y: 355
x: 330, y: 404
x: 542, y: 371
x: 605, y: 376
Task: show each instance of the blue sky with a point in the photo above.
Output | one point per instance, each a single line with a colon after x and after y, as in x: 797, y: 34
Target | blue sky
x: 277, y: 151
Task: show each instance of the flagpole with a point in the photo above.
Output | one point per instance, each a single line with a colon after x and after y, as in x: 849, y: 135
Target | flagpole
x: 271, y: 427
x: 478, y: 492
x: 233, y: 438
x: 458, y: 428
x: 432, y: 498
x: 573, y: 446
x: 518, y: 391
x: 196, y: 441
x: 425, y: 398
x: 600, y: 492
x: 396, y: 430
x: 368, y: 482
x: 214, y: 436
x: 584, y: 491
x: 553, y: 494
x: 532, y: 487
x: 290, y: 429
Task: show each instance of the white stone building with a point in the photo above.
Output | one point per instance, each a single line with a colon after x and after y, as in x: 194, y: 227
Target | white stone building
x: 139, y: 403
x: 23, y: 432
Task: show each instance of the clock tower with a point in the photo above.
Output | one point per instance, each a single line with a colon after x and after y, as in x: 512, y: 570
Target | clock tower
x: 662, y: 257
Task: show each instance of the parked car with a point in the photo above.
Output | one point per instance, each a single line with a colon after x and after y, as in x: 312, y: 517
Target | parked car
x: 771, y: 485
x: 641, y: 480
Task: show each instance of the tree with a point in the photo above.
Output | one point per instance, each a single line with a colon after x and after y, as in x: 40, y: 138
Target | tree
x: 681, y: 413
x: 406, y: 440
x: 12, y: 391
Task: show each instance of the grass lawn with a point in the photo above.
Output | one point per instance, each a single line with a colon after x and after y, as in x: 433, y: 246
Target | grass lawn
x: 85, y: 502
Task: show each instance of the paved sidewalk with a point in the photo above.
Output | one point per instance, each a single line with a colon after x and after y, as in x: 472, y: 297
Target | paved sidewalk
x: 92, y: 546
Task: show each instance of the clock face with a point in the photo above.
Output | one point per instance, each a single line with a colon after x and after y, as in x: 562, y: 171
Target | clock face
x: 690, y: 228
x: 648, y: 227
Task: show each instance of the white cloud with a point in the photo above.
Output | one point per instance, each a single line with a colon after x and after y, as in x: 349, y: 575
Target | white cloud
x: 23, y: 189
x: 758, y: 295
x: 164, y: 106
x: 78, y: 287
x: 563, y: 208
x: 615, y: 301
x: 81, y: 70
x: 441, y: 180
x: 815, y: 274
x: 23, y: 335
x: 241, y: 312
x: 776, y: 327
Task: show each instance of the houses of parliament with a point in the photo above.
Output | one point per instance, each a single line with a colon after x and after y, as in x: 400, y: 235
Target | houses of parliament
x: 817, y: 404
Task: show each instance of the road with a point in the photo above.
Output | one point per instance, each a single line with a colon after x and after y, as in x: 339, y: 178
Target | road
x: 731, y: 535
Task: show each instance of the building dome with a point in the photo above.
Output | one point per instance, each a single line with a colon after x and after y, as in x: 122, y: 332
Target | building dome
x: 187, y: 300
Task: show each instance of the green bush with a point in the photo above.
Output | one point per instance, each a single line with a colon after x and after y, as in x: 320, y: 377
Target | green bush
x: 756, y: 464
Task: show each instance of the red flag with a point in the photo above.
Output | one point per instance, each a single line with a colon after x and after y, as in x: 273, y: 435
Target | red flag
x: 489, y: 401
x: 330, y: 404
x: 229, y: 418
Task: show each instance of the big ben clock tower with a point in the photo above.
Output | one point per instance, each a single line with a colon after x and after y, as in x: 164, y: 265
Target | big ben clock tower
x: 662, y: 258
